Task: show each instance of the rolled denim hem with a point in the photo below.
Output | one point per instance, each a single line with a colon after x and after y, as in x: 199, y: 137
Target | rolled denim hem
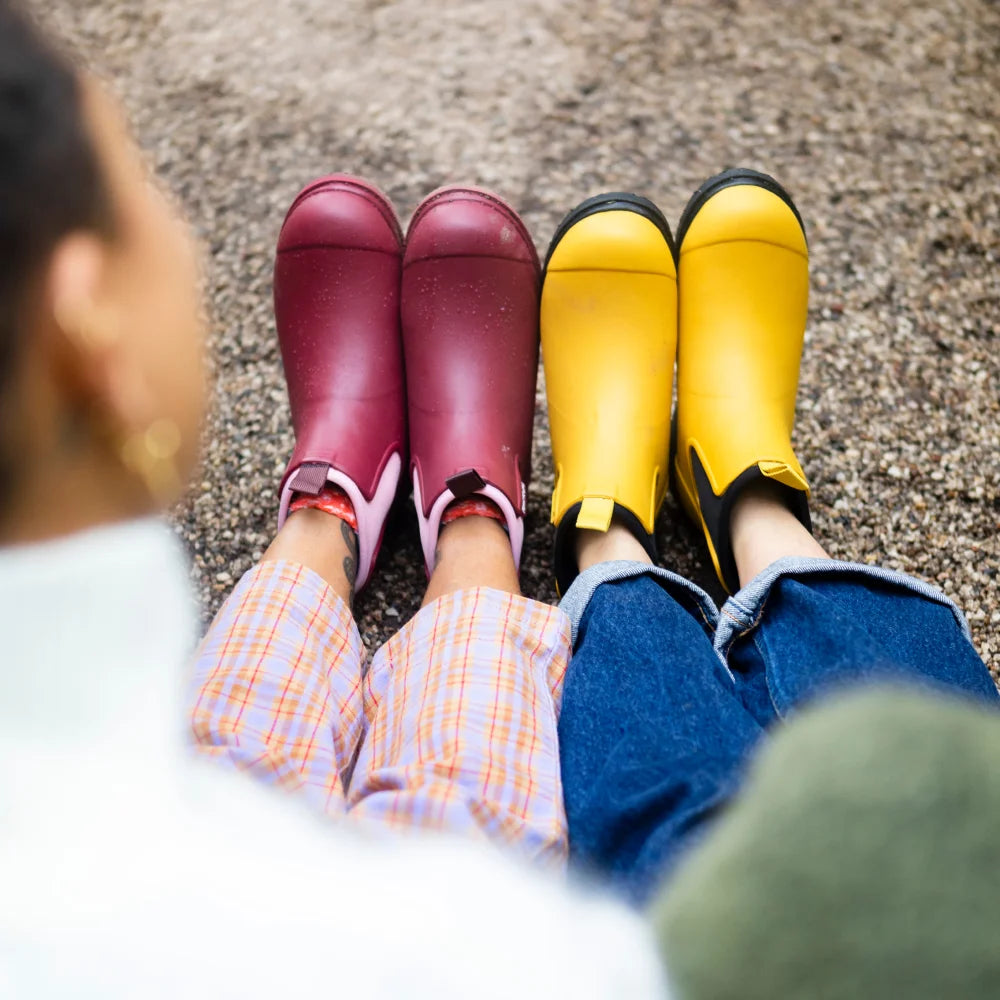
x: 576, y: 599
x: 743, y: 610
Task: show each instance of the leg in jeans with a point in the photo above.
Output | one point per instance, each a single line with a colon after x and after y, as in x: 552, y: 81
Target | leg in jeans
x: 655, y: 731
x: 803, y: 624
x: 653, y: 734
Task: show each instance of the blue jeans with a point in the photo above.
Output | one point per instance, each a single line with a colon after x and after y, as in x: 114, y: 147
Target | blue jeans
x: 667, y: 696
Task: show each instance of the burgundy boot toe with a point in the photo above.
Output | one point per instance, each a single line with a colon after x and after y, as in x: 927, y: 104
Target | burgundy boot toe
x: 470, y: 333
x: 336, y: 302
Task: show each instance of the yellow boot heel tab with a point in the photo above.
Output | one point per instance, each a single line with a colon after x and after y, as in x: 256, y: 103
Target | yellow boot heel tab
x: 596, y: 513
x: 564, y: 554
x: 782, y: 472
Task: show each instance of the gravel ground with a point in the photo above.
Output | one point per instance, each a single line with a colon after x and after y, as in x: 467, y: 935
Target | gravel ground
x: 881, y: 117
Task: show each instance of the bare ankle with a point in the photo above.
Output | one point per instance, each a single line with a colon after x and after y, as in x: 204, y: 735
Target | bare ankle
x: 321, y: 542
x: 764, y: 529
x: 472, y: 552
x: 617, y: 543
x: 459, y: 538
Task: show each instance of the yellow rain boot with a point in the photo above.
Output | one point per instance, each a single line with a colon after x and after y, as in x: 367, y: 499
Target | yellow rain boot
x: 743, y: 268
x: 609, y: 338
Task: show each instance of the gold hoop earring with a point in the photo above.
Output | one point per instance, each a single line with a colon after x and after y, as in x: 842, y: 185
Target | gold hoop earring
x: 151, y: 455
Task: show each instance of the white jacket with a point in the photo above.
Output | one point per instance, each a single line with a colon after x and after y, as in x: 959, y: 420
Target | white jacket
x: 128, y: 868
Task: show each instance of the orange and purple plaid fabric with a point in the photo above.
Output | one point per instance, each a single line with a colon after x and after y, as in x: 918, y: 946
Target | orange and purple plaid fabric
x: 453, y: 726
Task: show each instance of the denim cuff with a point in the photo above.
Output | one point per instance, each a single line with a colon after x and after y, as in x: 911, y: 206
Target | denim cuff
x: 692, y: 597
x: 743, y: 610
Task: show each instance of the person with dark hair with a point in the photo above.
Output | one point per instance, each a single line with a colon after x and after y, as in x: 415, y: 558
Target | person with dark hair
x: 128, y: 866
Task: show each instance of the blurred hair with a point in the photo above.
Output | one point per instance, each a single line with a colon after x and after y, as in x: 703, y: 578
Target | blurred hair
x: 50, y: 179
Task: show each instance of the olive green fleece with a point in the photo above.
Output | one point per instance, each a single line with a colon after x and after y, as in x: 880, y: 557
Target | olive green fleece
x: 863, y: 860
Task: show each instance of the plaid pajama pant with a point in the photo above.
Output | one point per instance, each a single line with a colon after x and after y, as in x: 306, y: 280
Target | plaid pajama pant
x: 452, y: 728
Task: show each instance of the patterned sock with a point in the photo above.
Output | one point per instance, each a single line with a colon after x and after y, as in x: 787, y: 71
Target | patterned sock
x: 331, y: 499
x: 474, y: 506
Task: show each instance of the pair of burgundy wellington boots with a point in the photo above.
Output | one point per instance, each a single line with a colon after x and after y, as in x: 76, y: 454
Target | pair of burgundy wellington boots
x: 413, y: 353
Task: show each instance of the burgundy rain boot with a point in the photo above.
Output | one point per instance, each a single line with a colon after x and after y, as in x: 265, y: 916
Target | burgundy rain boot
x: 470, y: 335
x: 336, y: 301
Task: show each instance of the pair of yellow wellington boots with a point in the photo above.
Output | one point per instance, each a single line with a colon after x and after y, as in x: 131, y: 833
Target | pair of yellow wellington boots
x: 621, y: 306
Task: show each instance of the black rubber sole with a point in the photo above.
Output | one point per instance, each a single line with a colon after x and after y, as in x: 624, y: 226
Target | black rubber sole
x: 732, y: 177
x: 612, y: 201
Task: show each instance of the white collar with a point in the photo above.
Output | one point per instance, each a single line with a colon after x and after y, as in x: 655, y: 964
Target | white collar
x: 94, y: 630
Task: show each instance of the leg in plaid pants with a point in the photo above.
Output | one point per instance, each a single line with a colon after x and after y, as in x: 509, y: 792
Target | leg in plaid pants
x: 452, y: 728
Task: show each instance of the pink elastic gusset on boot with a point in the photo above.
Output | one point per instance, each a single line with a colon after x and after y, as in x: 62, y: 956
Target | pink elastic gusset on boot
x: 336, y: 303
x: 470, y: 333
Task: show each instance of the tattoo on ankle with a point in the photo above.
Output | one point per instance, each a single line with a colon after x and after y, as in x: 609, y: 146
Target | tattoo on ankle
x: 351, y: 559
